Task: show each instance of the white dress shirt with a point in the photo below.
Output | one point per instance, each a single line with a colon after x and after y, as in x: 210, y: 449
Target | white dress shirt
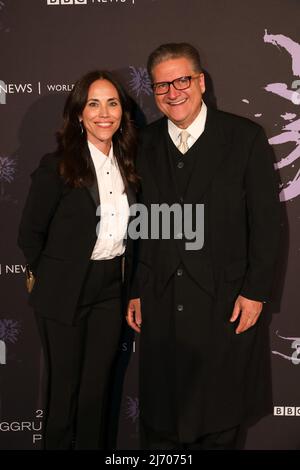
x: 195, y: 129
x: 114, y: 207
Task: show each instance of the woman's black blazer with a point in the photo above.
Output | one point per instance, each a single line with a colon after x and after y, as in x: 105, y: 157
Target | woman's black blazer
x: 57, y: 235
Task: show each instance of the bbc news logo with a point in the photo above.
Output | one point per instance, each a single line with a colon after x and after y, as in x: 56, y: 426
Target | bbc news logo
x: 13, y: 89
x: 66, y: 2
x: 287, y: 411
x: 85, y: 2
x: 7, y: 89
x: 11, y: 268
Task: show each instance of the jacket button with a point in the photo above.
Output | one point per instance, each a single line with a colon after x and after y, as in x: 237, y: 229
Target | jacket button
x: 180, y: 165
x: 180, y: 308
x: 179, y: 272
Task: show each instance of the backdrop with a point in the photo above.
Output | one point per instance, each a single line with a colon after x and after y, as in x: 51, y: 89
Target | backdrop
x: 251, y: 55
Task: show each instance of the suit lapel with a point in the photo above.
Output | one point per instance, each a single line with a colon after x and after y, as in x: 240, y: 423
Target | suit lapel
x: 92, y: 190
x: 160, y: 165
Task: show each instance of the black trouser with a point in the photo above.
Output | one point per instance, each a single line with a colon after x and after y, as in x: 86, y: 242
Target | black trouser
x: 222, y: 440
x: 80, y: 359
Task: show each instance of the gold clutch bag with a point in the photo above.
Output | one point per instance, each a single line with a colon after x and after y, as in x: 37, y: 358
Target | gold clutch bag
x: 30, y: 279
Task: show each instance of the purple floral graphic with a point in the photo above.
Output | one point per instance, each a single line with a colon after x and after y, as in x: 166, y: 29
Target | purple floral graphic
x: 139, y: 87
x: 9, y: 330
x: 7, y: 173
x: 140, y: 81
x: 132, y: 410
x: 291, y: 131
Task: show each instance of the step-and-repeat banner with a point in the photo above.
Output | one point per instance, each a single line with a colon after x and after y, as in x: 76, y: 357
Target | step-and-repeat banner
x: 251, y: 55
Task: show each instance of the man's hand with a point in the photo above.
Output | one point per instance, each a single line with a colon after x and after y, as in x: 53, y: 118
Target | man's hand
x: 134, y: 315
x: 249, y: 311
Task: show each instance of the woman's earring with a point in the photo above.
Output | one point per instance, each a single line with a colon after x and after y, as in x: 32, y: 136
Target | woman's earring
x: 81, y: 126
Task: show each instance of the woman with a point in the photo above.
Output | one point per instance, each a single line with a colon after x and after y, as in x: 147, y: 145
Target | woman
x: 75, y: 254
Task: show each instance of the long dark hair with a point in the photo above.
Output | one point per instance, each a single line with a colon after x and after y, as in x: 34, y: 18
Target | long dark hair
x: 75, y: 168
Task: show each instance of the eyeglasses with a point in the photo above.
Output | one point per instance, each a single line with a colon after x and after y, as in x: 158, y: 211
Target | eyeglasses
x: 181, y: 83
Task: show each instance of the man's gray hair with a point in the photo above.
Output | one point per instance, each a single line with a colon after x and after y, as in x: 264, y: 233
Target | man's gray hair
x: 174, y: 51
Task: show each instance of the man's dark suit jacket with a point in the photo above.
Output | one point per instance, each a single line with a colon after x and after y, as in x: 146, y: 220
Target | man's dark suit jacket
x: 235, y: 180
x: 226, y: 382
x: 57, y: 236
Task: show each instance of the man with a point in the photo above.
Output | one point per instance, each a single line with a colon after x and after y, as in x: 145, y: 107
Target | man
x: 202, y: 357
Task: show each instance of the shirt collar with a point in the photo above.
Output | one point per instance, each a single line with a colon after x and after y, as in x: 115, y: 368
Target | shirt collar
x: 98, y: 157
x: 195, y: 129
